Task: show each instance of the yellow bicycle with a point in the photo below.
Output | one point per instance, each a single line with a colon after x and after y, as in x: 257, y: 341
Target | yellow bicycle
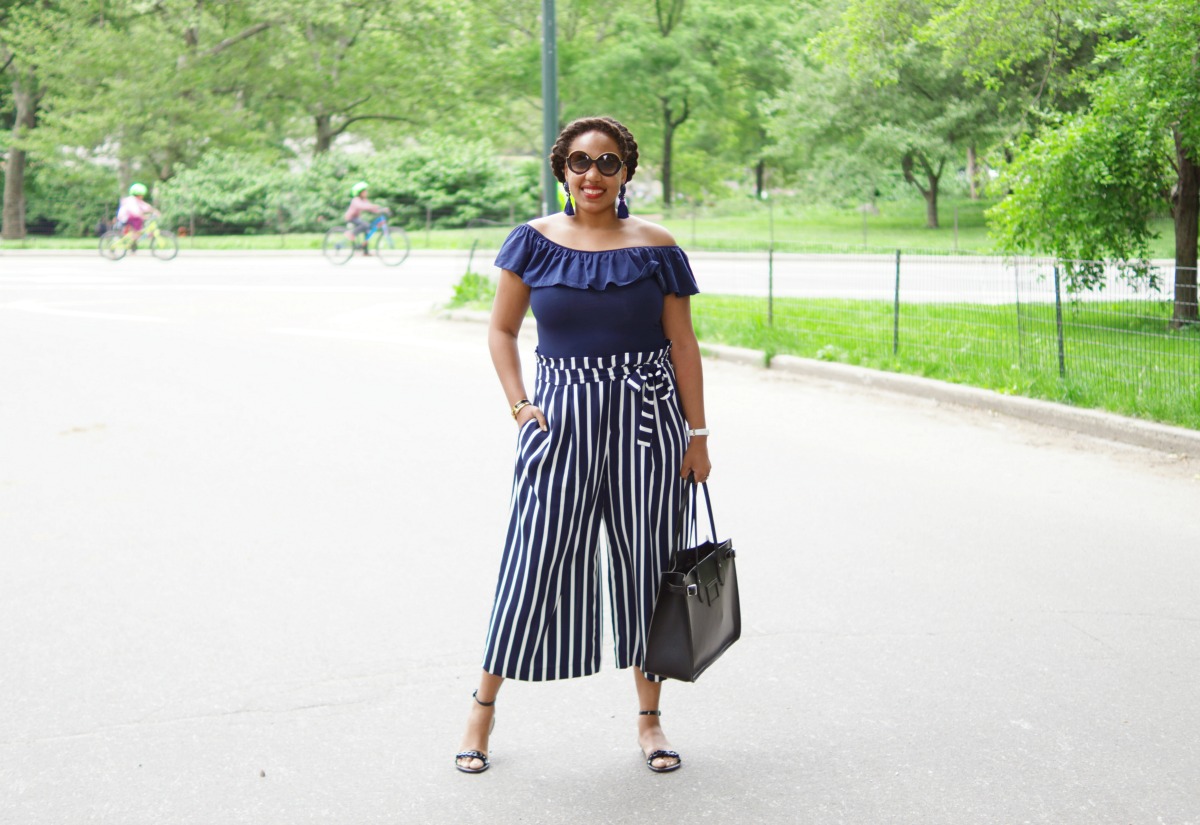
x: 116, y: 243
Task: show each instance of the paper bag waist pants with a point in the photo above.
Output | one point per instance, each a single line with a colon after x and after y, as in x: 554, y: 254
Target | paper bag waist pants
x: 606, y: 474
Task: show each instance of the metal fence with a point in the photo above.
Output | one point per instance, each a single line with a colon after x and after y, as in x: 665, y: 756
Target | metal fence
x: 1007, y: 324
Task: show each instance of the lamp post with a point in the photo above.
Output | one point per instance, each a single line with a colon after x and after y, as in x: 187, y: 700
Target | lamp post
x: 549, y: 106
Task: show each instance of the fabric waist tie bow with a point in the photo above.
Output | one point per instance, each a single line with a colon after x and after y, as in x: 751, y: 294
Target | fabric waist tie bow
x: 649, y: 381
x: 646, y: 373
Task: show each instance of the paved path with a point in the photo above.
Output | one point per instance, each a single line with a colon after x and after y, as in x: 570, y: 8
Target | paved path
x: 250, y: 518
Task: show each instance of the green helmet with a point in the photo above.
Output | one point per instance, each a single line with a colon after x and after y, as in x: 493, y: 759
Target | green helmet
x: 137, y: 189
x: 358, y: 187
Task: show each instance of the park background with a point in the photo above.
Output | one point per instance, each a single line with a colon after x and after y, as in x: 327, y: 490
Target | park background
x: 1046, y: 150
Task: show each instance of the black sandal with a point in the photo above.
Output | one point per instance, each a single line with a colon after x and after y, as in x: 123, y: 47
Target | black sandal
x: 660, y: 754
x: 482, y: 757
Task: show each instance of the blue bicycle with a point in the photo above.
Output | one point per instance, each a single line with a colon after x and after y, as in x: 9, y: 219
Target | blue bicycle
x: 390, y: 243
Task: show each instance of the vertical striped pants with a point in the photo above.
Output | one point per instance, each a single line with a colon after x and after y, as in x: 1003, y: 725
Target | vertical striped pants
x: 608, y: 467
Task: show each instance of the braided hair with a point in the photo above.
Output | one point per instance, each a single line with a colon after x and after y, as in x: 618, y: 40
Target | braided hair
x: 607, y: 125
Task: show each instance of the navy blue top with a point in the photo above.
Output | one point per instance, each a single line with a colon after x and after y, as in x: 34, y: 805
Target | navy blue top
x: 596, y: 303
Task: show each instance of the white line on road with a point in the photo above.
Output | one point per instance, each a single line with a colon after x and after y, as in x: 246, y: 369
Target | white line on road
x: 377, y: 338
x: 333, y: 289
x: 45, y: 309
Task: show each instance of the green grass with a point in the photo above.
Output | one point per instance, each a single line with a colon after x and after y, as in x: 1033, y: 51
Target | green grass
x: 1119, y: 356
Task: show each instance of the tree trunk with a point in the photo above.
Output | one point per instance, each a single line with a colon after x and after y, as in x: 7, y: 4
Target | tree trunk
x: 931, y: 206
x: 325, y: 134
x: 668, y: 138
x: 1187, y: 231
x: 670, y: 124
x: 760, y: 176
x: 973, y: 172
x: 14, y: 168
x: 930, y: 191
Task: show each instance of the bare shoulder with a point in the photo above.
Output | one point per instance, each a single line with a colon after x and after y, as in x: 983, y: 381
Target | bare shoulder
x: 650, y: 234
x: 549, y: 224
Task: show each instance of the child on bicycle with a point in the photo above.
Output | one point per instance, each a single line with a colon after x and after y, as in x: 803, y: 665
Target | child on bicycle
x: 134, y: 210
x: 359, y: 203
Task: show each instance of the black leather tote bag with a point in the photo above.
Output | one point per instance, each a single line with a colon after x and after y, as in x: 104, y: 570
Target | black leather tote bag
x: 697, y: 614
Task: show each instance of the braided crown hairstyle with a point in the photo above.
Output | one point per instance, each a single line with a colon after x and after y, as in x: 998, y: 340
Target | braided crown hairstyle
x: 609, y: 126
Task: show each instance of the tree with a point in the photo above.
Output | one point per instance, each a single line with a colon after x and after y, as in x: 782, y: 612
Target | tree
x: 27, y: 91
x: 345, y: 64
x: 148, y: 109
x: 1134, y: 151
x: 701, y: 65
x: 866, y: 84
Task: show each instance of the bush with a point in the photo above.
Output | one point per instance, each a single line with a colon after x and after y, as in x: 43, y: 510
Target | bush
x: 450, y: 183
x: 69, y: 197
x: 474, y: 290
x: 226, y: 193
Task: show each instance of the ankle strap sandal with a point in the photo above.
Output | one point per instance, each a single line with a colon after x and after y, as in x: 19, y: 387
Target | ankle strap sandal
x: 480, y: 755
x: 660, y: 754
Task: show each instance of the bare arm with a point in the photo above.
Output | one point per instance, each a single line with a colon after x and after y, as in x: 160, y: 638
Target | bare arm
x: 689, y: 378
x: 508, y: 311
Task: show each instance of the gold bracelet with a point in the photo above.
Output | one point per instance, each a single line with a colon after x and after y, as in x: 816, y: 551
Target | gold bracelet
x: 516, y: 408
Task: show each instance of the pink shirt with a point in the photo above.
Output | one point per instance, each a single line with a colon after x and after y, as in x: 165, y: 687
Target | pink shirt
x: 133, y: 207
x: 359, y: 205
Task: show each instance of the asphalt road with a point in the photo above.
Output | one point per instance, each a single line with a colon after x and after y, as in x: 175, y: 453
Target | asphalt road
x: 250, y: 519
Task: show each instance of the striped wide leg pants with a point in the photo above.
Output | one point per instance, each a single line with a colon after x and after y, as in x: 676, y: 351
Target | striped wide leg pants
x: 607, y: 468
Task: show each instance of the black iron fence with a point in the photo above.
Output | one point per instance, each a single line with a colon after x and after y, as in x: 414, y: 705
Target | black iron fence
x: 1009, y: 324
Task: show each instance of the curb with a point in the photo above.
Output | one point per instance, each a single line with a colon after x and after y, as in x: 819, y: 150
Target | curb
x: 1177, y: 441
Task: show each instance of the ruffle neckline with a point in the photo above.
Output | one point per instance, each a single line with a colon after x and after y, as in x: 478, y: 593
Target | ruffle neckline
x: 542, y: 262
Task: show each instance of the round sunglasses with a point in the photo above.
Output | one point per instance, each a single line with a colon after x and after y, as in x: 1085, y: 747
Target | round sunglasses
x: 608, y: 164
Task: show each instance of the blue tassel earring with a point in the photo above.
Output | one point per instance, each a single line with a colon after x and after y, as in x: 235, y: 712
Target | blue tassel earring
x: 622, y: 207
x: 569, y: 209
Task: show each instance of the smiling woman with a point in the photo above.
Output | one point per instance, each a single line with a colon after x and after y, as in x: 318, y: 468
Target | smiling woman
x: 603, y: 452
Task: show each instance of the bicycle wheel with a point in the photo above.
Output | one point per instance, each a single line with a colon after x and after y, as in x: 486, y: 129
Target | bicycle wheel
x: 391, y: 245
x: 112, y: 245
x: 336, y: 247
x: 164, y: 245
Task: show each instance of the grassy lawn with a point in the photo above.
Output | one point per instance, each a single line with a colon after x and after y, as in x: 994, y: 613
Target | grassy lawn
x: 1117, y: 356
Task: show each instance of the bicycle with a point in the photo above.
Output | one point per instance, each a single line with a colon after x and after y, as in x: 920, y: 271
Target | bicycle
x: 116, y: 243
x: 391, y: 243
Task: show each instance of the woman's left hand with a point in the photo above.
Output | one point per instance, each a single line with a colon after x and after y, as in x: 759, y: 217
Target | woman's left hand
x: 695, y: 460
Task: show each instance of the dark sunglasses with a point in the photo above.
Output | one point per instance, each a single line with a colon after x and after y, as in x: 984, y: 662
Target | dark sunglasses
x: 608, y: 163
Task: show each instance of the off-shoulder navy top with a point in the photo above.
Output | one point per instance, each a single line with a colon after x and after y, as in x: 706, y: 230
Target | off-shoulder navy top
x: 596, y: 303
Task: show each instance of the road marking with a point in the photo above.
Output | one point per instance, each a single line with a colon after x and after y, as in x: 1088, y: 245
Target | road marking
x: 411, y: 342
x: 319, y: 290
x: 45, y: 309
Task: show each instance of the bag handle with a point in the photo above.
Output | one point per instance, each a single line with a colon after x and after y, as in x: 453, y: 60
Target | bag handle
x: 686, y: 511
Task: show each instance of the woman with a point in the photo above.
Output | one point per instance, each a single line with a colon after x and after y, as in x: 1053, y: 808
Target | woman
x: 604, y: 446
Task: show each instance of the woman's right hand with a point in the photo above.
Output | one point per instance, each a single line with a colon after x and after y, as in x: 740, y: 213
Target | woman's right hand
x: 532, y: 411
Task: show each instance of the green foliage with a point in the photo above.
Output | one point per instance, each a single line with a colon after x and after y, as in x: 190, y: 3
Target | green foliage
x: 1084, y: 193
x: 225, y: 192
x: 473, y: 291
x: 692, y: 84
x: 453, y: 183
x: 871, y: 102
x: 72, y: 196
